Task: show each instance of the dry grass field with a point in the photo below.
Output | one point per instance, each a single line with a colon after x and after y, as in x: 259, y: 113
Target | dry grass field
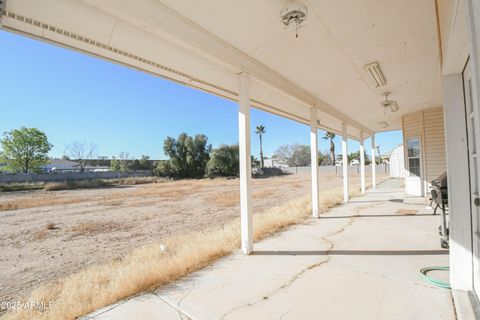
x: 120, y: 240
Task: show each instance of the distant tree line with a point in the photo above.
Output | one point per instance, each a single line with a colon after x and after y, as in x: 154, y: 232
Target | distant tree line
x: 193, y: 157
x: 26, y: 150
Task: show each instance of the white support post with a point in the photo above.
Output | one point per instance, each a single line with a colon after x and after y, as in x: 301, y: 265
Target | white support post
x: 245, y: 164
x: 460, y: 222
x: 362, y: 163
x: 314, y: 163
x: 345, y: 162
x: 374, y: 179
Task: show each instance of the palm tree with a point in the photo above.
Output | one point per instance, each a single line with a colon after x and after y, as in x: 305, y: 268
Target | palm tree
x: 379, y: 155
x: 260, y: 130
x: 330, y: 136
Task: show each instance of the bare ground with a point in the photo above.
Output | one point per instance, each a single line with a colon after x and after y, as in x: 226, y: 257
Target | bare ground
x: 58, y: 233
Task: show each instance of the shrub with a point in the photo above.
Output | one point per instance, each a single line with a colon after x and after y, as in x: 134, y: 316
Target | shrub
x: 267, y: 172
x: 224, y: 162
x: 77, y: 184
x: 138, y: 180
x: 164, y: 169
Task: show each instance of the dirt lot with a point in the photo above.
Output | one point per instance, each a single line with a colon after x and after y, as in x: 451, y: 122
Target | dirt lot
x: 59, y: 232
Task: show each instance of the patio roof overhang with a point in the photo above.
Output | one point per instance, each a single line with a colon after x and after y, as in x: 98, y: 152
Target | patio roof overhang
x: 207, y: 45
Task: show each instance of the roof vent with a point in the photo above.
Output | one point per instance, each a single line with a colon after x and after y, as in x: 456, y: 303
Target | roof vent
x: 376, y: 74
x: 293, y: 15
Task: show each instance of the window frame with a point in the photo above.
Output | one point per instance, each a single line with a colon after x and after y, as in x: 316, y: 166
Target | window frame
x: 419, y: 157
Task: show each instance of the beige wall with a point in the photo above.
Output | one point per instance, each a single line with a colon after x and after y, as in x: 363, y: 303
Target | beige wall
x: 428, y: 126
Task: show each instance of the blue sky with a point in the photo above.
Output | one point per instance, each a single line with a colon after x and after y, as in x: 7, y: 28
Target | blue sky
x: 71, y: 96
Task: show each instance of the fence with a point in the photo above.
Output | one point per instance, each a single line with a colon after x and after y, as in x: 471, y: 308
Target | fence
x: 64, y: 176
x: 380, y: 168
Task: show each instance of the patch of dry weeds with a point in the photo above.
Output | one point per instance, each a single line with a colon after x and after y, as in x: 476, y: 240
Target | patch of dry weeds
x: 93, y: 228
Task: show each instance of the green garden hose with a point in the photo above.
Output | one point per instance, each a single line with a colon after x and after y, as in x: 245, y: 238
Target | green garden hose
x: 433, y: 281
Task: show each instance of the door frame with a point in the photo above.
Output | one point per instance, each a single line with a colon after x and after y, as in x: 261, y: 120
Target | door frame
x: 472, y: 12
x: 472, y: 109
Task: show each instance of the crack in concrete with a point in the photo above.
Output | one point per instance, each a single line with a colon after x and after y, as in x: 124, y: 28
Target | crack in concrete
x: 284, y: 286
x: 182, y: 298
x: 374, y: 274
x: 116, y: 305
x: 182, y: 314
x: 186, y: 294
x: 174, y: 306
x: 284, y: 314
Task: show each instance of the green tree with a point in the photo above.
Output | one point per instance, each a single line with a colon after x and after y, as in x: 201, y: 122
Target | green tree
x: 25, y: 149
x: 125, y: 162
x: 115, y: 164
x: 145, y: 162
x: 164, y: 169
x: 254, y: 161
x: 224, y: 161
x: 260, y: 130
x: 188, y: 155
x: 354, y: 155
x: 321, y: 158
x: 330, y: 136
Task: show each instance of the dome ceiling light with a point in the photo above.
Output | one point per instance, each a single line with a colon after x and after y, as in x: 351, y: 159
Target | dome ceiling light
x: 293, y: 15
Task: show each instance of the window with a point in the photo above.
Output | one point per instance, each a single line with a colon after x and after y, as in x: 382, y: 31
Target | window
x: 413, y: 149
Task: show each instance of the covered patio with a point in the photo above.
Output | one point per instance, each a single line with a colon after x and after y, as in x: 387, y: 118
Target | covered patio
x: 358, y: 261
x: 354, y: 68
x: 298, y: 60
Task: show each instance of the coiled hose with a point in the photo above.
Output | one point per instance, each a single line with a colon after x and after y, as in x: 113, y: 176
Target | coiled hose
x: 442, y: 284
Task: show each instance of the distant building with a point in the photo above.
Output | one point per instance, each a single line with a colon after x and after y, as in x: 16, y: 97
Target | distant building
x: 396, y: 161
x: 274, y: 163
x: 97, y: 168
x: 60, y: 165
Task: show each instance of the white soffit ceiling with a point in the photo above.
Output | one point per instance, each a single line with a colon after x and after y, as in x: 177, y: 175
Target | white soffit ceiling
x: 338, y: 39
x: 139, y: 35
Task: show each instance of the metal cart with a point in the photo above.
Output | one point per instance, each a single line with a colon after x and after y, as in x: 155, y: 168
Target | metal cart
x: 439, y: 196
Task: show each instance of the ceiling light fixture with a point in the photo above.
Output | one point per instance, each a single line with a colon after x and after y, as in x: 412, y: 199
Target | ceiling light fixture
x: 293, y: 15
x: 389, y: 105
x: 384, y: 124
x: 376, y: 74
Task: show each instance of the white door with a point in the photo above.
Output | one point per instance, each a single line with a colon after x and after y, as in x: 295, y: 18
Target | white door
x: 473, y: 131
x: 413, y: 176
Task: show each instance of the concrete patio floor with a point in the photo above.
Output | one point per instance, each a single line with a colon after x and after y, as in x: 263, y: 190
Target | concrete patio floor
x: 358, y: 261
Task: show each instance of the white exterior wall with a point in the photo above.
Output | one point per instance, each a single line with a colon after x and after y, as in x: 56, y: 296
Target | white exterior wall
x: 428, y: 126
